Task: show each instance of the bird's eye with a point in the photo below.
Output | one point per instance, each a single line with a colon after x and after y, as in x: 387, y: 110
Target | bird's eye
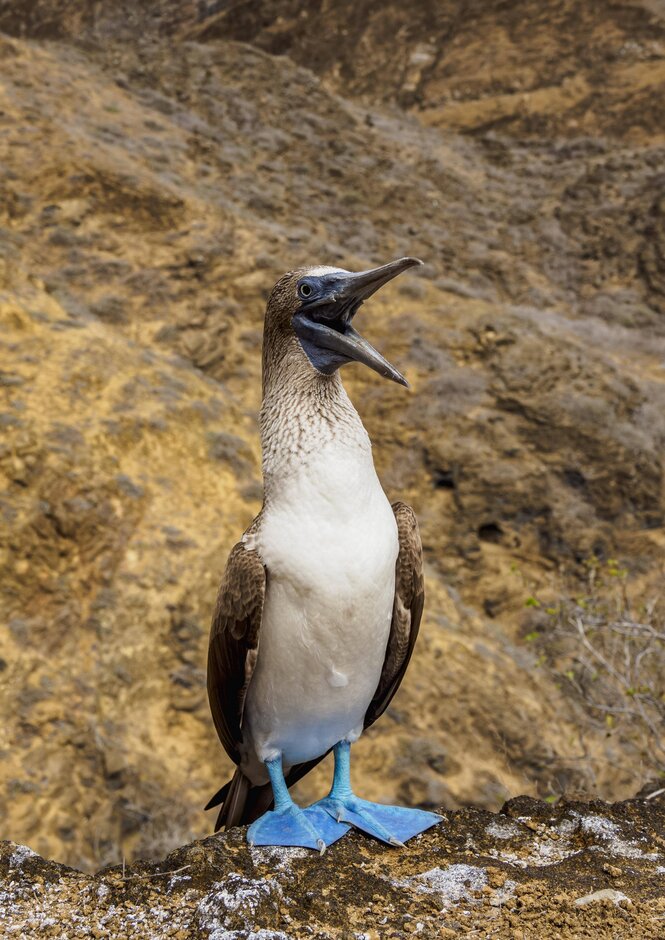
x: 305, y: 290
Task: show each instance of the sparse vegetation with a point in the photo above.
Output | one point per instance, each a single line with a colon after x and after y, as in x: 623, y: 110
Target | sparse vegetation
x: 607, y: 649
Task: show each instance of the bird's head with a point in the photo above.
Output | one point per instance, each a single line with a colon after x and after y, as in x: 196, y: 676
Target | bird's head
x: 317, y: 305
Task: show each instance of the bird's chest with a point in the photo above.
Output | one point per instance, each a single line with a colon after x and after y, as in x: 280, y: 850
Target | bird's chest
x: 328, y: 539
x: 329, y: 543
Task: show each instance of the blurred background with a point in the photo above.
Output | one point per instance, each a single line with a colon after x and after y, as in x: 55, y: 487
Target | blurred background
x: 162, y: 163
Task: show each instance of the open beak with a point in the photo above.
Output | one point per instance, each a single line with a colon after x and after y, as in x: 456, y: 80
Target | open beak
x: 325, y: 322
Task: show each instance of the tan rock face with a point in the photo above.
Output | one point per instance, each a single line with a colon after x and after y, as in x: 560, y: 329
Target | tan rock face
x: 156, y: 177
x: 576, y: 68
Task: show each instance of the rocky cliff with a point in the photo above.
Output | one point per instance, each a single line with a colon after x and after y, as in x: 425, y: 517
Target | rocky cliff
x: 577, y: 870
x: 161, y: 165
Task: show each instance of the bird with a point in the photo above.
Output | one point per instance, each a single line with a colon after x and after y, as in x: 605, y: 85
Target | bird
x: 321, y: 599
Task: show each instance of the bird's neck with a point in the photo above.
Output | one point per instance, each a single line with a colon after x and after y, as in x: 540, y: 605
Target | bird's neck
x: 303, y: 412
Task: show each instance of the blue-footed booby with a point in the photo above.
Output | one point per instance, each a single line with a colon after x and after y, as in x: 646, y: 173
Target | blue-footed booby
x: 321, y: 600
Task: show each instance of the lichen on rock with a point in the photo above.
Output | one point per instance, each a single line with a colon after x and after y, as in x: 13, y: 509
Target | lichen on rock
x: 476, y: 874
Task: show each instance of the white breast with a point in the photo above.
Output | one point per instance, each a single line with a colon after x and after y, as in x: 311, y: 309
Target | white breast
x: 329, y: 542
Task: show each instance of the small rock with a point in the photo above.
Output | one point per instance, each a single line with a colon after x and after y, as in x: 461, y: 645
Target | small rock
x: 605, y: 894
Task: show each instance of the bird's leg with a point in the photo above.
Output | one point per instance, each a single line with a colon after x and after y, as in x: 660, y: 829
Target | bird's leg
x: 287, y: 824
x: 391, y: 824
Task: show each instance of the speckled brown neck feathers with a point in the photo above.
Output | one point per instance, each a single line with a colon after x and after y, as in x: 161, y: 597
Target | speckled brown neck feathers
x: 302, y: 409
x: 282, y: 353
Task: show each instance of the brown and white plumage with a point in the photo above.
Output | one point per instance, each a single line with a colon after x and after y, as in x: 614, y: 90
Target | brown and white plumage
x: 234, y: 645
x: 321, y: 601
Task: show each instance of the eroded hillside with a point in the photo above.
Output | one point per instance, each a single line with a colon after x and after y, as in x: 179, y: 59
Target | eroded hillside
x: 160, y: 167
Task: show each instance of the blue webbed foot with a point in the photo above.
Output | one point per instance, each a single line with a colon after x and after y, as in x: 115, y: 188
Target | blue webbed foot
x: 392, y: 824
x: 289, y: 825
x: 329, y: 828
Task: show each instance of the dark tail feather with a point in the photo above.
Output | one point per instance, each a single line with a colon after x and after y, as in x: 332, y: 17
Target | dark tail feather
x: 233, y: 807
x: 241, y: 802
x: 219, y: 797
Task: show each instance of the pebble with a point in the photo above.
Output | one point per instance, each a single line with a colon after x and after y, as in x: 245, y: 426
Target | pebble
x: 605, y: 894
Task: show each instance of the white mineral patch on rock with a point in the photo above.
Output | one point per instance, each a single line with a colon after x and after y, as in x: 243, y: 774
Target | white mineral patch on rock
x: 24, y: 913
x: 599, y: 826
x: 277, y: 856
x: 219, y: 933
x: 252, y: 935
x: 239, y: 893
x: 610, y: 833
x: 502, y: 829
x: 19, y: 855
x: 541, y: 854
x: 568, y: 826
x: 244, y: 897
x: 452, y: 884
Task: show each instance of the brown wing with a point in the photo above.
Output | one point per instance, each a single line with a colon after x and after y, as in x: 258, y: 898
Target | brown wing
x: 234, y: 643
x: 407, y: 610
x: 232, y: 654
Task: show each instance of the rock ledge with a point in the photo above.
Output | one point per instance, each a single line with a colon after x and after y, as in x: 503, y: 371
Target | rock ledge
x: 570, y: 870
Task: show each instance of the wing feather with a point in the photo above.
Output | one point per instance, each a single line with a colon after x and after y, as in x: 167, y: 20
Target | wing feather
x: 234, y: 643
x: 407, y: 610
